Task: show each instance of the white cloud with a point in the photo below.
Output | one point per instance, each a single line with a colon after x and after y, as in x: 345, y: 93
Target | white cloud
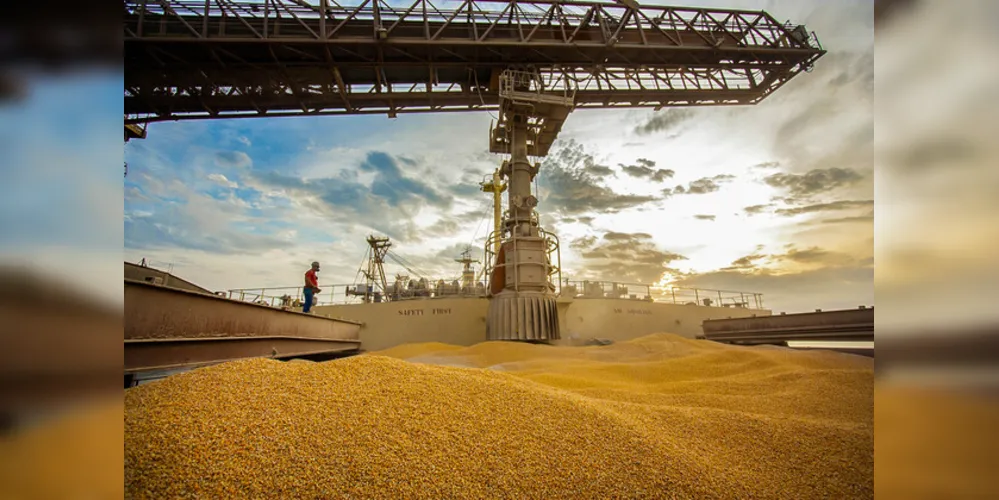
x: 222, y: 180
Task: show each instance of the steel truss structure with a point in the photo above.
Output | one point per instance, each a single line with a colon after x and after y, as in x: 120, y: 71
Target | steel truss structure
x: 196, y: 59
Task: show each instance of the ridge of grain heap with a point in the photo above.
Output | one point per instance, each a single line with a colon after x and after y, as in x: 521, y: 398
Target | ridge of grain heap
x: 658, y: 417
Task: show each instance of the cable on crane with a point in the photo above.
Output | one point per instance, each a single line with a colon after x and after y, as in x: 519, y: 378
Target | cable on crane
x: 485, y: 216
x: 478, y: 90
x: 360, y: 267
x: 409, y: 266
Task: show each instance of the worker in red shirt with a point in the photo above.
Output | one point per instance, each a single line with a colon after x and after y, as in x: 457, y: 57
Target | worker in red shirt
x: 311, y: 286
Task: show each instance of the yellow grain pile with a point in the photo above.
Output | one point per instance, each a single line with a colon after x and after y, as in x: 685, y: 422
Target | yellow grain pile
x: 77, y: 455
x: 658, y: 417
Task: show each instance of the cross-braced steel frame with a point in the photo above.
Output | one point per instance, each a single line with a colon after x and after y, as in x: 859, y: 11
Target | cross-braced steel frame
x: 194, y: 59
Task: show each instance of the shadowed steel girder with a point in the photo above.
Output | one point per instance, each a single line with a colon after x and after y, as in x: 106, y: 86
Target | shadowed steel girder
x: 844, y: 325
x: 189, y: 59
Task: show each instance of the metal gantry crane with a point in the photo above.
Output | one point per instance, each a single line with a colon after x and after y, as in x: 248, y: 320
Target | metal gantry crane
x: 531, y: 61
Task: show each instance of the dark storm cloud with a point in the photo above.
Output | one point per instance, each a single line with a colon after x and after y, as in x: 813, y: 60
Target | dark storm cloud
x: 646, y: 169
x: 767, y: 165
x: 868, y: 218
x: 703, y: 185
x: 389, y: 188
x: 813, y: 255
x: 941, y: 152
x: 387, y: 206
x: 232, y: 159
x: 393, y: 186
x: 844, y: 77
x: 598, y: 170
x: 618, y: 256
x: 814, y: 182
x: 704, y: 217
x: 614, y: 236
x: 473, y: 216
x: 572, y: 190
x: 825, y: 207
x: 757, y: 209
x: 842, y: 86
x: 664, y: 121
x: 454, y: 251
x: 859, y: 71
x: 443, y: 227
x: 747, y: 262
x: 466, y: 189
x: 583, y: 242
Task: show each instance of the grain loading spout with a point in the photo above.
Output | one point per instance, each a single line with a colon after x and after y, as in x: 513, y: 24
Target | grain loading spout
x: 522, y: 306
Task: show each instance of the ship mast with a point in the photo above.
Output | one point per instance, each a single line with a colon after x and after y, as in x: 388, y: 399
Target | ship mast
x: 374, y: 275
x: 467, y: 272
x: 496, y: 186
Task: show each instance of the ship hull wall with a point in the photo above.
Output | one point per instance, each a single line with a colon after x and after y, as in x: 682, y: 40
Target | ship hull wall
x: 462, y: 321
x: 458, y: 321
x: 624, y: 319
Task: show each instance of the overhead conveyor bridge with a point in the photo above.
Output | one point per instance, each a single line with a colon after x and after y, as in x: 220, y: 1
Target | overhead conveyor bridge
x: 192, y: 59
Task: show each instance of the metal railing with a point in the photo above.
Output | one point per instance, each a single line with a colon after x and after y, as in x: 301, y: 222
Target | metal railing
x: 423, y: 289
x: 338, y: 294
x: 287, y: 296
x: 676, y: 295
x: 711, y: 297
x: 606, y: 289
x: 553, y: 263
x: 523, y: 87
x: 292, y: 297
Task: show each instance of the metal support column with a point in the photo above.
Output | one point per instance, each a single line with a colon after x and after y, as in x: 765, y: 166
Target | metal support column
x: 524, y: 306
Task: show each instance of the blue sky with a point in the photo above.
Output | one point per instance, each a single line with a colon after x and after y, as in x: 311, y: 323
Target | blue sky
x: 775, y: 198
x: 60, y: 174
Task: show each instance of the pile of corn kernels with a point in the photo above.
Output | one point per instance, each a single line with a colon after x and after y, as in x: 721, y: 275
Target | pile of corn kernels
x: 656, y: 417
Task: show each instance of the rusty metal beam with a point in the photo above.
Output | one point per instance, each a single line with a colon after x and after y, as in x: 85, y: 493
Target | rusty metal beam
x: 161, y: 354
x: 852, y: 333
x: 845, y: 325
x: 161, y: 312
x: 169, y: 328
x: 56, y: 352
